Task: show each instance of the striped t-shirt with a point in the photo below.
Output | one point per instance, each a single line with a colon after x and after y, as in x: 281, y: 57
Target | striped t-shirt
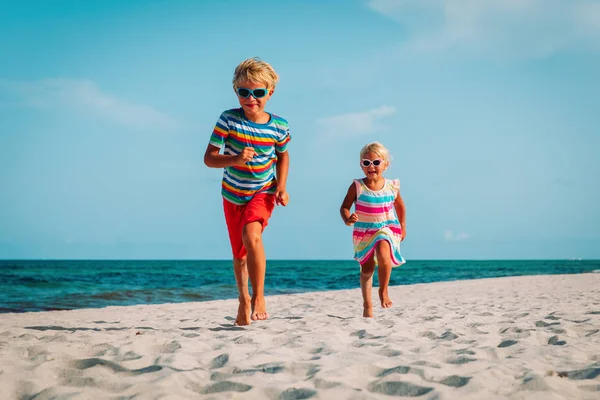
x: 234, y: 132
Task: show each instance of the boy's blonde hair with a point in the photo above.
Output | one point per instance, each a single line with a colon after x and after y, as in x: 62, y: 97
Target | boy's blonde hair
x: 377, y: 148
x: 255, y: 70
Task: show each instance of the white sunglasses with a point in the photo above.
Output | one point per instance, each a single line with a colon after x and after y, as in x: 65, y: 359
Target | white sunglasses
x: 367, y: 163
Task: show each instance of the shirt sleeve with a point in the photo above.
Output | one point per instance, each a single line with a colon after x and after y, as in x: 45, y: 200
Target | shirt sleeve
x: 220, y: 132
x: 283, y: 140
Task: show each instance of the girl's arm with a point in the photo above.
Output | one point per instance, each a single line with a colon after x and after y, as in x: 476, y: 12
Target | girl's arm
x: 401, y: 213
x: 347, y: 217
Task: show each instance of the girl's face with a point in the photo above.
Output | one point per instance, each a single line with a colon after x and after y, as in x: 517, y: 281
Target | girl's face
x: 373, y: 165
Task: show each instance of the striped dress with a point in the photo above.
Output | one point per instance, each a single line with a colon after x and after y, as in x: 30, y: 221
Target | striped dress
x: 232, y: 133
x: 377, y: 221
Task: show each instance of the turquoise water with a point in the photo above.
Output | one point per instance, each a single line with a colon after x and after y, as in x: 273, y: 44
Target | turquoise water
x: 39, y: 285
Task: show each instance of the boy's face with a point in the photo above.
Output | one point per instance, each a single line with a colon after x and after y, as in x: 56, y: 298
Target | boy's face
x: 251, y: 105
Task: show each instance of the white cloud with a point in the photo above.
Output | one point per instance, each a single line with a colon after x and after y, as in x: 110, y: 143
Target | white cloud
x: 84, y: 96
x: 355, y: 124
x: 455, y: 237
x: 501, y: 28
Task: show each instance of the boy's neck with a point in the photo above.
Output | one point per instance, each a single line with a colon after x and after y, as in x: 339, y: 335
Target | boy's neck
x: 259, y: 118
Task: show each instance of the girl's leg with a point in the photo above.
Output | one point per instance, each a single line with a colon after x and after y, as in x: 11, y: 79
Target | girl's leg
x: 366, y: 283
x: 384, y: 270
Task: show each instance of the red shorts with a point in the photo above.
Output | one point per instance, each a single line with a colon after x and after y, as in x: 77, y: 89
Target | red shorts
x: 259, y: 208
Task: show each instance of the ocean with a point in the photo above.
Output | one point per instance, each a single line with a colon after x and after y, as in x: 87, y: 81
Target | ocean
x: 43, y: 285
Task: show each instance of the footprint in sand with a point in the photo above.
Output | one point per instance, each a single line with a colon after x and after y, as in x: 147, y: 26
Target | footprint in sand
x: 242, y: 340
x: 227, y: 328
x: 555, y: 342
x: 460, y: 360
x: 269, y: 368
x: 225, y: 386
x: 397, y: 388
x: 219, y: 361
x: 542, y: 324
x: 387, y: 352
x: 169, y: 347
x: 321, y: 384
x: 448, y: 335
x: 363, y: 334
x: 581, y: 374
x: 219, y: 376
x: 297, y: 394
x: 455, y: 381
x: 400, y: 369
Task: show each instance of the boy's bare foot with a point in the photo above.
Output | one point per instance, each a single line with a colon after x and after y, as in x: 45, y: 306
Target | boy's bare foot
x: 243, y: 316
x: 367, y: 310
x: 259, y: 309
x: 385, y: 299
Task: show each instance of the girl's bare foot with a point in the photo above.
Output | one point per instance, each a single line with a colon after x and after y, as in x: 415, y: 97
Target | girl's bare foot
x: 385, y: 299
x: 259, y: 309
x: 243, y: 316
x: 368, y: 310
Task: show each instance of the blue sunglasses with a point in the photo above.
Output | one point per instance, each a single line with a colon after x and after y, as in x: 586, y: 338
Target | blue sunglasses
x: 256, y: 93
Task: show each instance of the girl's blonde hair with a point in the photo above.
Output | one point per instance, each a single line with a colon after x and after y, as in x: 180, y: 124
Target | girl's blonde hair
x: 377, y: 148
x: 255, y: 70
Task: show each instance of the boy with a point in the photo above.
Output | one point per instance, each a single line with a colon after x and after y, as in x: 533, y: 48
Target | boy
x: 256, y: 161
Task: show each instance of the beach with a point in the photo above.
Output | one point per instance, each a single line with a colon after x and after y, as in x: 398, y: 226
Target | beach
x: 527, y: 337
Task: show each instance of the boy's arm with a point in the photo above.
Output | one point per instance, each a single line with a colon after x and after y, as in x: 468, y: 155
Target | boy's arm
x: 281, y: 168
x: 401, y: 213
x: 213, y: 159
x: 347, y: 217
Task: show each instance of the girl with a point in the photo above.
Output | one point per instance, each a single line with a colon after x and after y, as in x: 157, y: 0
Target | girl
x: 378, y: 231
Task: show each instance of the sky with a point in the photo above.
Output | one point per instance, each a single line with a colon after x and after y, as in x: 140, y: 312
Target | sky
x: 490, y: 110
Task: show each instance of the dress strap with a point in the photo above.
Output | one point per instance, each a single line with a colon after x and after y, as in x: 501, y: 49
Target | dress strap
x: 395, y: 186
x: 359, y: 187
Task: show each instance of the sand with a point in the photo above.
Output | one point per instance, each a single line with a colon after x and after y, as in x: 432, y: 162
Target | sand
x: 535, y: 337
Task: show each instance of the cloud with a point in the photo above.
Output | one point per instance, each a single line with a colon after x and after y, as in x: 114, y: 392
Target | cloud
x: 501, y: 28
x: 355, y: 124
x: 450, y: 236
x: 84, y: 97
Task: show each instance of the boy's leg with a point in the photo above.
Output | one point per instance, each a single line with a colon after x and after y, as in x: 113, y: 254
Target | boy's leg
x: 233, y: 217
x: 384, y: 270
x: 257, y: 267
x: 240, y: 271
x: 366, y: 283
x: 256, y: 218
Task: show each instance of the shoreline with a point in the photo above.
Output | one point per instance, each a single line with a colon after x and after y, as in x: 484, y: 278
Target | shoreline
x: 523, y: 337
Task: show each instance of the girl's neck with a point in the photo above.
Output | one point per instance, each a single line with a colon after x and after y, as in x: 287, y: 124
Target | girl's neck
x: 374, y: 184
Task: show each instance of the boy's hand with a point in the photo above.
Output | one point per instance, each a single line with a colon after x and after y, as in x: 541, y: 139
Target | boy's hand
x: 245, y: 156
x: 282, y: 197
x: 352, y: 219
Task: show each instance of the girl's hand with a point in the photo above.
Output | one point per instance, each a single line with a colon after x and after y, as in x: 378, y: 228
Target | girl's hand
x: 352, y: 219
x: 403, y: 233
